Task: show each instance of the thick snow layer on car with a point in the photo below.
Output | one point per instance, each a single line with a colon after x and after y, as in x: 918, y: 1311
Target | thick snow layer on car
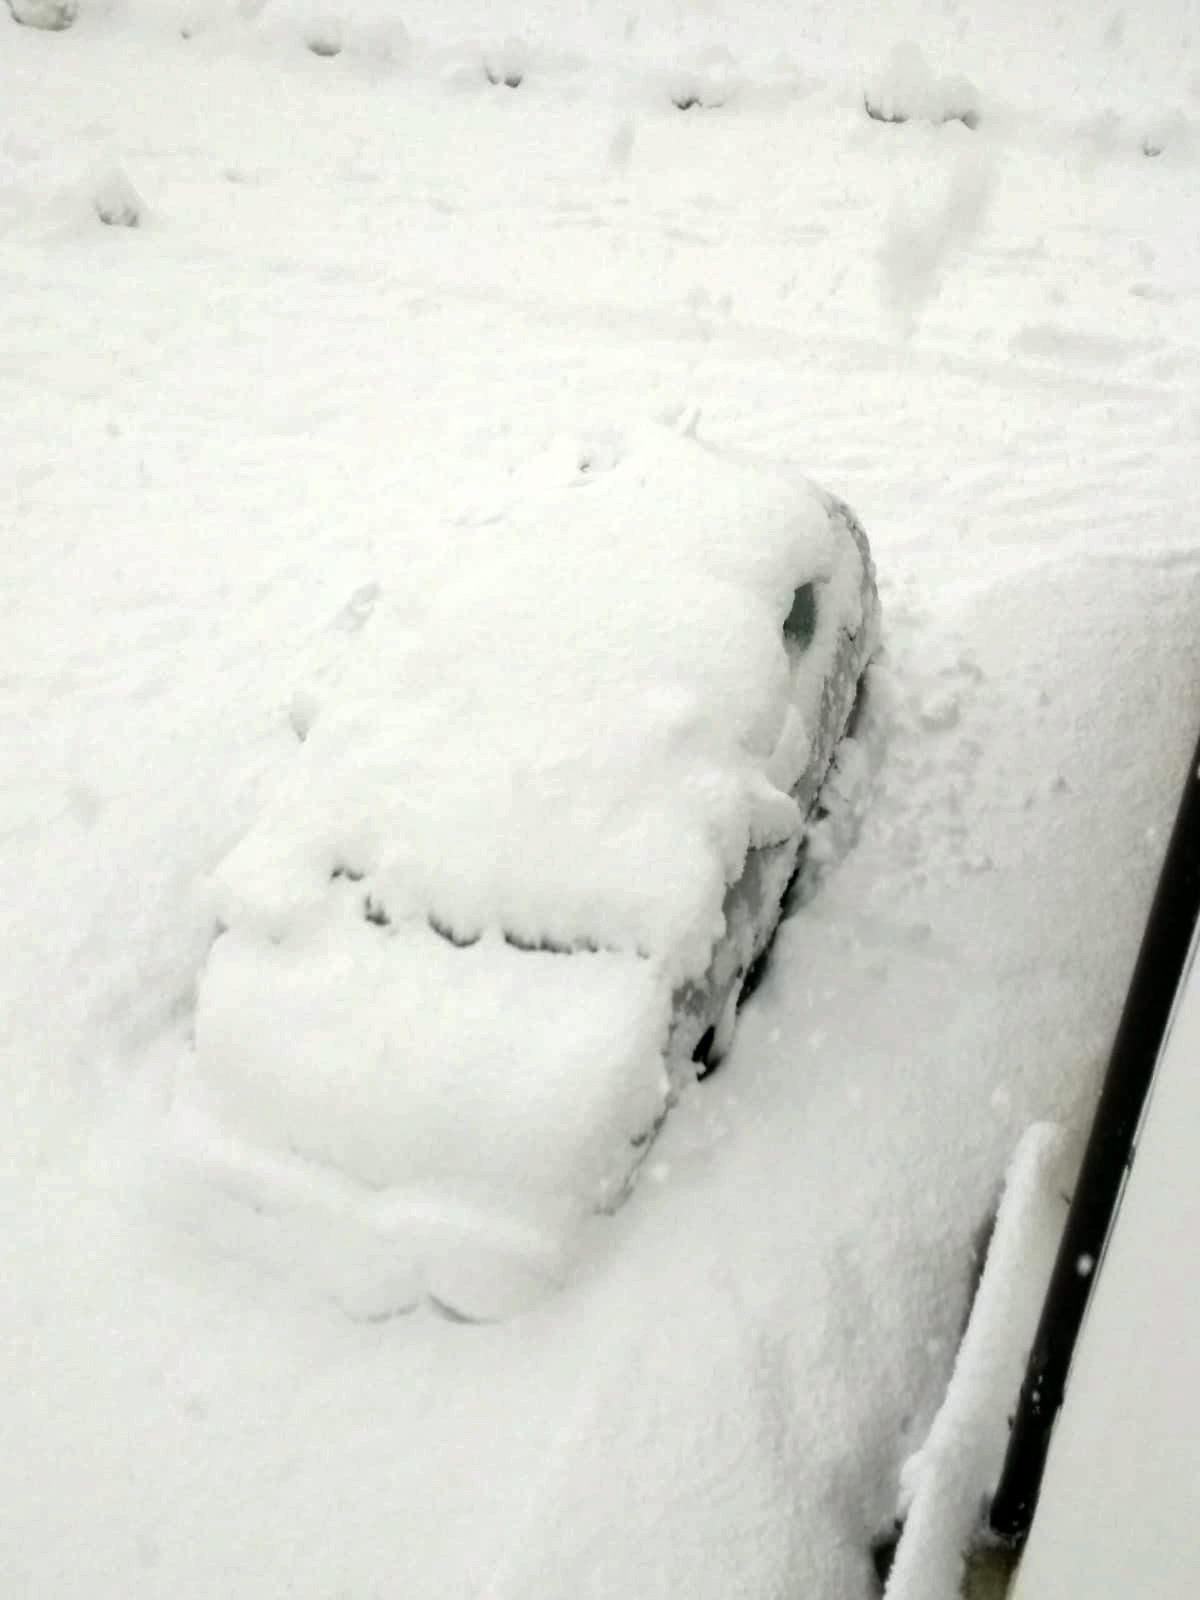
x: 907, y: 88
x: 451, y: 944
x: 570, y: 720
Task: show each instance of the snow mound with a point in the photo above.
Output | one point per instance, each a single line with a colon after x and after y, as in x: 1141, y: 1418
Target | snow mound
x: 51, y: 15
x: 1171, y: 134
x: 115, y: 200
x: 571, y: 725
x: 907, y: 90
x: 451, y: 947
x: 507, y: 63
x: 708, y: 80
x: 369, y: 29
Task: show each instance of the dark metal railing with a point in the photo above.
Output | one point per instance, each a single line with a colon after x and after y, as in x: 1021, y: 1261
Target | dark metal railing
x: 1109, y: 1154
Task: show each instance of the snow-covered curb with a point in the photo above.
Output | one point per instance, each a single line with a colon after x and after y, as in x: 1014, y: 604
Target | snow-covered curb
x: 945, y: 1485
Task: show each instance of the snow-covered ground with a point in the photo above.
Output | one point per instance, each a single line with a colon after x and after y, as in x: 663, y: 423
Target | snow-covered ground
x: 367, y: 296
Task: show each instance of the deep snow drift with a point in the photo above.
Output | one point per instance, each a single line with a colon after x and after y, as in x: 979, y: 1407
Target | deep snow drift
x: 364, y: 297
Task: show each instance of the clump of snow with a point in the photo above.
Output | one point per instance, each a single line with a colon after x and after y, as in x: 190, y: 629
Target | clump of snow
x: 115, y: 200
x: 1110, y: 135
x: 709, y: 79
x: 907, y: 89
x: 601, y: 451
x: 368, y: 29
x: 51, y: 15
x: 1171, y: 134
x: 507, y: 63
x: 324, y: 34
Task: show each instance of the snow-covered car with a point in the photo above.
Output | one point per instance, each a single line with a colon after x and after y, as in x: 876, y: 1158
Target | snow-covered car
x: 505, y: 904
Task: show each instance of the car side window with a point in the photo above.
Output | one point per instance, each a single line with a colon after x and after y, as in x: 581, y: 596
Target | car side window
x: 801, y: 621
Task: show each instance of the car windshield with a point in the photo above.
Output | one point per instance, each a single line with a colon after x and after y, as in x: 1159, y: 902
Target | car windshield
x: 801, y: 622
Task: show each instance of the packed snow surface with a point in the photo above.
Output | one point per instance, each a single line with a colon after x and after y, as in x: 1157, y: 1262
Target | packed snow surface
x: 368, y: 295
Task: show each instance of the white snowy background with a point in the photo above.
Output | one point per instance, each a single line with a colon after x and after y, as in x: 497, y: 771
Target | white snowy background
x: 366, y: 293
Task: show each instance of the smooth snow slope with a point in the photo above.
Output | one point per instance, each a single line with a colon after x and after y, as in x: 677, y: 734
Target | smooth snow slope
x: 365, y: 297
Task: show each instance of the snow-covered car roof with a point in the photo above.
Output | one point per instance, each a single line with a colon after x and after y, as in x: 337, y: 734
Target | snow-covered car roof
x: 573, y: 722
x: 451, y: 945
